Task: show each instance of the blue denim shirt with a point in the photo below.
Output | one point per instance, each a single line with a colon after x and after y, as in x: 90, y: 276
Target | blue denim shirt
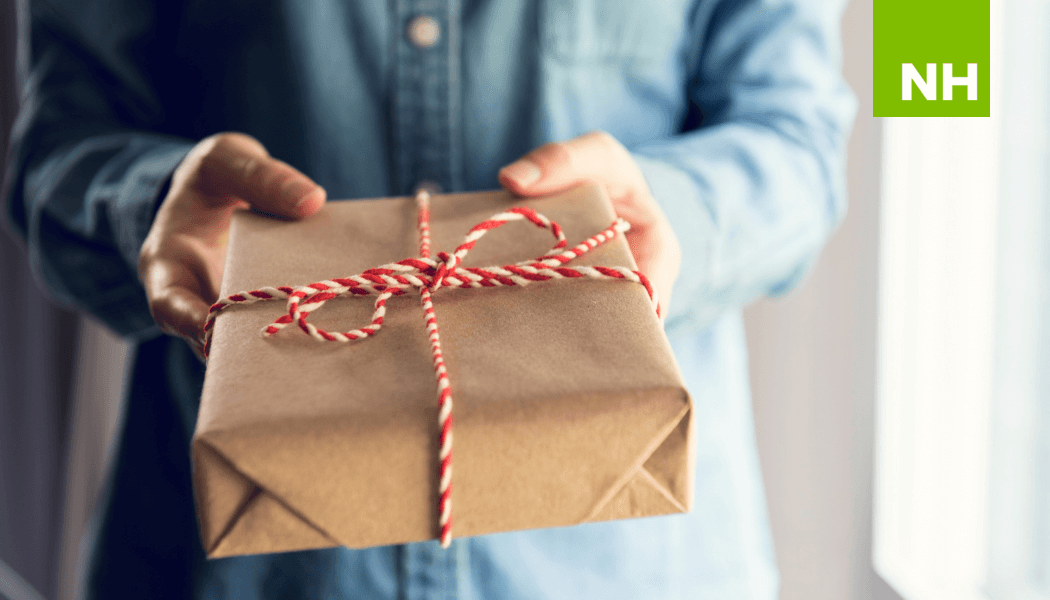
x: 735, y: 110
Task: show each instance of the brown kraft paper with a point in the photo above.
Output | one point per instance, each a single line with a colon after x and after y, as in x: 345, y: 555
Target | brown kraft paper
x: 569, y: 406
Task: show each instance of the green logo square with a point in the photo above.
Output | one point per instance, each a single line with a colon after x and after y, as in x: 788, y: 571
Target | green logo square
x: 931, y: 58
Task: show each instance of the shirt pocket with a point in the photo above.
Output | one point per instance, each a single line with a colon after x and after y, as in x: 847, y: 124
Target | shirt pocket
x: 582, y: 31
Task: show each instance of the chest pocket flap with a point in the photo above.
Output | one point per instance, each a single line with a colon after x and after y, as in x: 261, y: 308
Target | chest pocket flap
x: 604, y: 30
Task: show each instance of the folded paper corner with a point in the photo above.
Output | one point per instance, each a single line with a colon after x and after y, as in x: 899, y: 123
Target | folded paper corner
x: 222, y: 492
x: 660, y: 483
x: 265, y: 525
x: 237, y: 516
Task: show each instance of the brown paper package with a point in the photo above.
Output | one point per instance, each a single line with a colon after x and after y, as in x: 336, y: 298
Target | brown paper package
x: 569, y: 406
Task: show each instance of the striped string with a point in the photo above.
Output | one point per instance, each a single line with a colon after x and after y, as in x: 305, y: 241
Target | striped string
x: 427, y: 275
x: 443, y: 383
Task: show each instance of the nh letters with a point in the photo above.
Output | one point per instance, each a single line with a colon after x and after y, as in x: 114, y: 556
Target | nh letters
x: 928, y: 85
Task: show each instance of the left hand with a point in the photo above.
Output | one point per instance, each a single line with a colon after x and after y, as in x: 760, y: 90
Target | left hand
x: 599, y: 157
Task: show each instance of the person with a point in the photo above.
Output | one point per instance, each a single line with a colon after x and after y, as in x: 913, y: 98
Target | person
x: 718, y: 128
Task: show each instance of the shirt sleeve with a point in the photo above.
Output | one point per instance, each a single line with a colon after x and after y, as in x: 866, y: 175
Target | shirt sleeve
x: 89, y: 156
x: 757, y: 187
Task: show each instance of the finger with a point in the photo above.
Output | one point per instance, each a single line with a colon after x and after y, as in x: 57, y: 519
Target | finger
x: 182, y: 312
x: 237, y: 165
x: 659, y: 256
x: 176, y: 292
x: 595, y: 156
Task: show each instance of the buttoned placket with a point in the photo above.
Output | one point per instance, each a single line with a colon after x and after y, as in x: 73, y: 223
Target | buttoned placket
x: 426, y: 99
x: 427, y: 133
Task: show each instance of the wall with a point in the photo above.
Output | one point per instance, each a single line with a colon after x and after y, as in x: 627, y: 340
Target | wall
x: 813, y: 378
x: 37, y: 345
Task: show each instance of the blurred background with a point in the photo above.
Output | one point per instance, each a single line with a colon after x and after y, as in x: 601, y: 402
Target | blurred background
x: 902, y: 424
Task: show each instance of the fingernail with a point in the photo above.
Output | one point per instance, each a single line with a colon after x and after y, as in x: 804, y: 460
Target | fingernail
x: 523, y: 172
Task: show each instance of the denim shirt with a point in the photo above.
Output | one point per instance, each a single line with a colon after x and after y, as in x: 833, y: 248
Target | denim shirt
x: 734, y: 109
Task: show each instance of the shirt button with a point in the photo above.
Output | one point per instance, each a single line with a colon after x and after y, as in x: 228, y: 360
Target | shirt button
x: 424, y: 32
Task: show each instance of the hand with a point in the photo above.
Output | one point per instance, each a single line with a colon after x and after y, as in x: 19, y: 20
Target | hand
x: 598, y: 157
x: 183, y: 255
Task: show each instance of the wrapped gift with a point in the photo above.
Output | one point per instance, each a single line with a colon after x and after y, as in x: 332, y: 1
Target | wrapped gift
x: 569, y: 407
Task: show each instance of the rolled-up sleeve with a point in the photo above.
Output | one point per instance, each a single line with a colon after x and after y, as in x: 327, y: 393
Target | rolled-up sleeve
x: 756, y: 189
x: 88, y: 165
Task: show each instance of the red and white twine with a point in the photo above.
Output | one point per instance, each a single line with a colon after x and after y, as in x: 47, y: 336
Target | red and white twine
x: 427, y: 275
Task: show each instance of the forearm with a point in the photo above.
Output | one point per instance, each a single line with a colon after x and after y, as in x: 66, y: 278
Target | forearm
x: 84, y: 210
x: 755, y: 191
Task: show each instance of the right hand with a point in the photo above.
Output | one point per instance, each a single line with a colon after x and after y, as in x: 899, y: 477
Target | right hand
x: 182, y: 258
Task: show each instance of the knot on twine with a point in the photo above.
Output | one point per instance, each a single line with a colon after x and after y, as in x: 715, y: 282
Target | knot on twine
x: 426, y: 275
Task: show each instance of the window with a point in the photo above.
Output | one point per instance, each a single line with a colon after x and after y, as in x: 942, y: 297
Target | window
x: 962, y: 502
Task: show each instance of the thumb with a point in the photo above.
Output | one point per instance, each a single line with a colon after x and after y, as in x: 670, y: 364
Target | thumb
x: 237, y: 165
x: 595, y: 156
